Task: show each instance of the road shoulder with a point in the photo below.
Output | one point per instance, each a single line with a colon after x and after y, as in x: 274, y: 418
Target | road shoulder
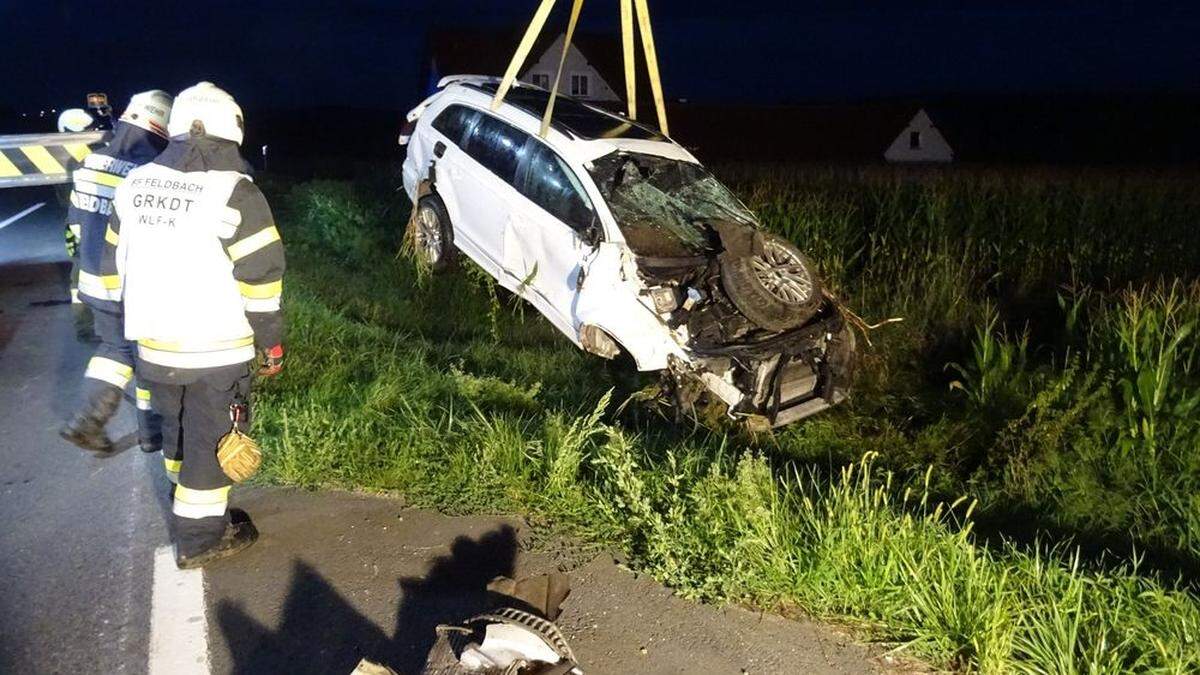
x: 340, y: 576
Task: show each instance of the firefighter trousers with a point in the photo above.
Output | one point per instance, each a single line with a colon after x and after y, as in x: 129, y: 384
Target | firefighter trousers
x: 81, y: 314
x: 112, y: 366
x: 195, y: 415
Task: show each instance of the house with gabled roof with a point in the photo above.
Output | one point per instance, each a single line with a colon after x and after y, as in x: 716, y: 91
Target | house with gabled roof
x: 592, y: 72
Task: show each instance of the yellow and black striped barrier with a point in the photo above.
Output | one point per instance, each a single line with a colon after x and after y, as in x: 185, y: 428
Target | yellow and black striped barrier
x: 43, y: 159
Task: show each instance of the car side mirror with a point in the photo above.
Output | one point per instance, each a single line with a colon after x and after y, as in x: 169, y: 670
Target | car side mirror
x: 439, y: 149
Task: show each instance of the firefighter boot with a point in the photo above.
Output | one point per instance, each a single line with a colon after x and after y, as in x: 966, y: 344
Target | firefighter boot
x: 86, y: 430
x: 84, y: 328
x: 150, y: 436
x: 201, y: 541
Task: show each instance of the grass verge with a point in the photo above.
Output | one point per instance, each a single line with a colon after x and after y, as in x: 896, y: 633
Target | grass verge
x: 443, y: 392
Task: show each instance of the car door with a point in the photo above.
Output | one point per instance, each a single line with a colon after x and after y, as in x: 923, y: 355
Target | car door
x: 442, y: 151
x: 483, y: 182
x: 549, y: 241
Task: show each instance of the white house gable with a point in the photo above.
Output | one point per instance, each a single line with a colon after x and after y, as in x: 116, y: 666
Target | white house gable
x: 920, y: 141
x: 579, y: 78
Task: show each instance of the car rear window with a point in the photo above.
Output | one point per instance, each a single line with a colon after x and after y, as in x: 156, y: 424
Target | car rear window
x: 454, y: 121
x: 498, y: 146
x: 577, y: 118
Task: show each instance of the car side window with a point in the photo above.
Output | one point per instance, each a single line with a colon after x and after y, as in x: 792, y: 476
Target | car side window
x: 454, y: 122
x: 550, y: 183
x: 499, y: 147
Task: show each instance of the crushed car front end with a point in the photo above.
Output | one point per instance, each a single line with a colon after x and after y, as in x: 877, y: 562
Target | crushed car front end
x: 757, y: 334
x: 776, y: 376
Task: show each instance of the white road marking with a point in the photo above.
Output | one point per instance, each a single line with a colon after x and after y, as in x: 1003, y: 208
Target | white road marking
x: 178, y: 627
x: 10, y: 221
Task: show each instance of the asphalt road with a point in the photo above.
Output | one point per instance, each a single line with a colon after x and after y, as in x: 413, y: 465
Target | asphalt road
x: 87, y: 584
x: 73, y: 587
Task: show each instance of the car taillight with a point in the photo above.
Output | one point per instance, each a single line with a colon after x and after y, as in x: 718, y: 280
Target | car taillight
x: 406, y: 133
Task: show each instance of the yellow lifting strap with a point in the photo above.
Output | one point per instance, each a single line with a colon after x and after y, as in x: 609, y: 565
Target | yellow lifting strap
x: 562, y: 60
x: 518, y: 59
x: 627, y: 27
x: 629, y: 57
x: 652, y: 65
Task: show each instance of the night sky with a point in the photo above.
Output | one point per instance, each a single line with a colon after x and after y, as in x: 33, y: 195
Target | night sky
x: 368, y: 53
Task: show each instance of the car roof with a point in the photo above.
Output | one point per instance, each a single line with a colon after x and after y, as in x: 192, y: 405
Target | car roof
x: 573, y: 116
x: 589, y: 131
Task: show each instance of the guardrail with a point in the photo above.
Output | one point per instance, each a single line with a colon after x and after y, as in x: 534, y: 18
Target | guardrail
x: 44, y: 159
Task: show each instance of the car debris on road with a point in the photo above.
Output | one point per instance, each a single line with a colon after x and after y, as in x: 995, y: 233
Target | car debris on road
x: 517, y: 637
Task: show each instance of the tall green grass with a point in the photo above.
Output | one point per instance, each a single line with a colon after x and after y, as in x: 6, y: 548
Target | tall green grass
x: 1047, y: 361
x: 437, y: 389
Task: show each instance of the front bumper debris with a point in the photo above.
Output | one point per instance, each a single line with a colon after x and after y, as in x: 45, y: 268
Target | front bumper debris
x: 783, y: 380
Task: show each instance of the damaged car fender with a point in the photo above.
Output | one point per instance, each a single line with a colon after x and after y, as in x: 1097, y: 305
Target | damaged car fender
x: 608, y: 301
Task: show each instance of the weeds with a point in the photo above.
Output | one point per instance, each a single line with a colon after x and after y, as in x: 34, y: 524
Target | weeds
x: 434, y: 391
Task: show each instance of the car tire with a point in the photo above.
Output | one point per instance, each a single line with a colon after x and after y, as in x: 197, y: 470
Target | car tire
x: 433, y: 237
x: 777, y: 290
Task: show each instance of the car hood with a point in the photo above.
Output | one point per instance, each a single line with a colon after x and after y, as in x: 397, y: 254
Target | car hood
x: 587, y: 151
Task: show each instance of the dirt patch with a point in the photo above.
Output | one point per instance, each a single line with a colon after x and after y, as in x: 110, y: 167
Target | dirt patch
x: 340, y: 576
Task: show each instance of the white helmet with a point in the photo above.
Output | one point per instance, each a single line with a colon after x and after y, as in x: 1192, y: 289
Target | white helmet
x: 74, y: 119
x: 149, y: 110
x: 212, y: 107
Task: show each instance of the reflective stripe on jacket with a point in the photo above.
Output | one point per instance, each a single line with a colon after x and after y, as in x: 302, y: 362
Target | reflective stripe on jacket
x: 93, y: 185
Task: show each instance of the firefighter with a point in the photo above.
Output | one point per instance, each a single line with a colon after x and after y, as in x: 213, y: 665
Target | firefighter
x: 140, y: 134
x: 75, y: 120
x: 97, y: 105
x: 200, y: 266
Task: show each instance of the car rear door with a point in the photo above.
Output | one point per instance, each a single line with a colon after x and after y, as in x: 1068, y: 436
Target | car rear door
x: 484, y: 188
x: 441, y: 150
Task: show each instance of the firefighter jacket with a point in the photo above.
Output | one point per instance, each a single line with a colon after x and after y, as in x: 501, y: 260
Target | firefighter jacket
x: 198, y: 259
x: 95, y: 182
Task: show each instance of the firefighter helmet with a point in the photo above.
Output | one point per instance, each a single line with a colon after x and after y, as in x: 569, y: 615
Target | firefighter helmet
x: 210, y: 106
x: 149, y: 110
x: 74, y: 119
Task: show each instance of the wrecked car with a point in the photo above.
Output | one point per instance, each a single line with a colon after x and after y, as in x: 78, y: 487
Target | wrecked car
x: 627, y: 244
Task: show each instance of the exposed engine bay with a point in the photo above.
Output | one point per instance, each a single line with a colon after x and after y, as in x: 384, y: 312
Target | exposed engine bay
x: 707, y: 270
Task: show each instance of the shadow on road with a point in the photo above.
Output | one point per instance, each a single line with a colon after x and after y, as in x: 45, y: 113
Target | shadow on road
x: 320, y: 631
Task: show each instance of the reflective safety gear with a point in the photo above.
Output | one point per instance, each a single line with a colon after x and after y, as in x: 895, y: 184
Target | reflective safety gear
x: 199, y: 268
x: 198, y: 543
x: 111, y: 370
x: 74, y: 120
x: 86, y: 429
x: 94, y: 184
x: 149, y: 423
x: 149, y: 110
x: 212, y: 107
x: 172, y: 467
x: 198, y: 259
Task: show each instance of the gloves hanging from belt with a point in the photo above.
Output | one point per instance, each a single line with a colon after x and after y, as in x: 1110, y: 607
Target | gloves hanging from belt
x: 270, y: 361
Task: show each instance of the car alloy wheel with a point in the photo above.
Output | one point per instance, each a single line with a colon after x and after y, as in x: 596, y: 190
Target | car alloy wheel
x: 777, y: 289
x: 783, y: 273
x: 429, y: 234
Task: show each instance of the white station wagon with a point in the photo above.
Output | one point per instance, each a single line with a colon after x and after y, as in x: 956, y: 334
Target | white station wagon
x: 623, y: 241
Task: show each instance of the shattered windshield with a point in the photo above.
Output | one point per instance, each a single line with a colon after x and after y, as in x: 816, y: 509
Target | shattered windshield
x: 665, y: 207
